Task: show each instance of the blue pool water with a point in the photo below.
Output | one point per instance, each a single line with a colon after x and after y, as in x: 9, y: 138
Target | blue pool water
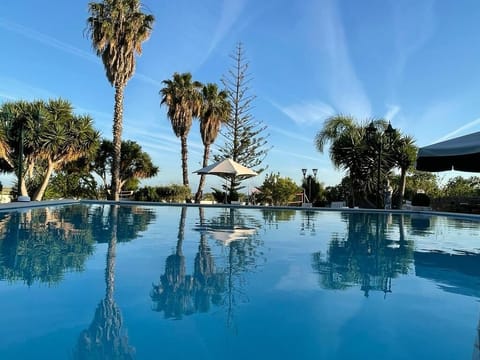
x: 165, y: 282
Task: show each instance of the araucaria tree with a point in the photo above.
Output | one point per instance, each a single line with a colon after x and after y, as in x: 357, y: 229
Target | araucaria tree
x: 245, y: 140
x: 215, y: 111
x: 182, y: 97
x: 117, y: 29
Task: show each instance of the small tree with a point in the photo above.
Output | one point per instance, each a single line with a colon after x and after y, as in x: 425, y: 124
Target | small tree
x: 244, y: 139
x: 134, y: 163
x: 277, y: 190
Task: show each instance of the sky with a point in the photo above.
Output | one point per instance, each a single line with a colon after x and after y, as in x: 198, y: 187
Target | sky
x: 415, y: 63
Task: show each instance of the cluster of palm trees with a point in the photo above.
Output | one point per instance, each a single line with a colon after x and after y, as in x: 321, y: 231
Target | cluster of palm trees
x: 351, y: 150
x: 187, y: 99
x: 42, y: 136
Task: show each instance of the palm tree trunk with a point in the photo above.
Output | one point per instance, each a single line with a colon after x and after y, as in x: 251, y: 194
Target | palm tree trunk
x: 23, y: 187
x: 183, y: 139
x: 117, y: 140
x: 39, y: 194
x: 403, y: 181
x: 201, y: 184
x: 181, y: 232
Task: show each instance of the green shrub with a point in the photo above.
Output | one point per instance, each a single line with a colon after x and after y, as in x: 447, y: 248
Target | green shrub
x: 170, y: 193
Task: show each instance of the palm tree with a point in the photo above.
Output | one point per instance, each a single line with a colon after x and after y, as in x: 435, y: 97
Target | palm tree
x: 64, y: 138
x: 183, y: 99
x: 215, y: 111
x: 117, y: 29
x: 20, y: 125
x: 135, y: 163
x: 347, y: 151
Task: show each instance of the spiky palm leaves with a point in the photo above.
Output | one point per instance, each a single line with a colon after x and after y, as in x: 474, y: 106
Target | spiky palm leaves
x: 117, y: 29
x: 215, y: 111
x: 351, y: 151
x: 53, y: 137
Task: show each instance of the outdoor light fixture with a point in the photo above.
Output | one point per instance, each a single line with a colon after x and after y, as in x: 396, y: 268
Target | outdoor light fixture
x: 309, y: 181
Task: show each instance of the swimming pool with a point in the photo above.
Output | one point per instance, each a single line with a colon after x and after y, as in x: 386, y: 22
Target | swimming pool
x: 148, y: 282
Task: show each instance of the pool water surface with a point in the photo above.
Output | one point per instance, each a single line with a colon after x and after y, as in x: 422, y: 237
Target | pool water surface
x: 100, y: 281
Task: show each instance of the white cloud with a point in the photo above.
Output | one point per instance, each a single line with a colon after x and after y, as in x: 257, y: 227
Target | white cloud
x: 345, y: 89
x: 460, y: 130
x: 231, y: 11
x: 392, y: 111
x: 300, y: 156
x: 13, y: 89
x: 289, y: 134
x: 414, y: 24
x: 307, y: 112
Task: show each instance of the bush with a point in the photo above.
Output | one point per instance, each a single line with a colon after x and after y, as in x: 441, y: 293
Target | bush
x: 421, y: 199
x: 171, y: 193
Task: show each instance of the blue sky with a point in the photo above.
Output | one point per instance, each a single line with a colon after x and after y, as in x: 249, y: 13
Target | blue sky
x: 416, y: 63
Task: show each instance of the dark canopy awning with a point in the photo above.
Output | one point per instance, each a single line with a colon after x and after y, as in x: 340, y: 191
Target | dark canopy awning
x: 461, y: 153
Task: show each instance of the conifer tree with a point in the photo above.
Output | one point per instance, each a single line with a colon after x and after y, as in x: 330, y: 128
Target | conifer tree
x: 245, y: 140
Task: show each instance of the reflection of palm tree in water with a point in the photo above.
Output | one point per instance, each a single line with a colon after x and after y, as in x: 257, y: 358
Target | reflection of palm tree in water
x: 171, y: 294
x: 208, y: 284
x: 366, y: 257
x: 105, y: 339
x: 180, y: 294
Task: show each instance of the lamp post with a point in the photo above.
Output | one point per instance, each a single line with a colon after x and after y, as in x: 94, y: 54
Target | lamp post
x: 372, y: 138
x: 309, y: 182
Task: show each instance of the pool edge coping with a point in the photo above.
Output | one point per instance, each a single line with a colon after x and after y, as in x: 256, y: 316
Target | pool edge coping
x: 33, y: 204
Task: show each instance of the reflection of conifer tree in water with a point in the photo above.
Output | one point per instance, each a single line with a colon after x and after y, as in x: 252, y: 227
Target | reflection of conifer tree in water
x: 365, y: 257
x: 105, y: 338
x: 241, y: 257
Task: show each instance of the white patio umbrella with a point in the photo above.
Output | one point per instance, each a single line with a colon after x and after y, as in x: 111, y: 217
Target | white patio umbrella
x: 227, y: 169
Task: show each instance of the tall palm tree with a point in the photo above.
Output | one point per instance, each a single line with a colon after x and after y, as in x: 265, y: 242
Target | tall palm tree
x: 117, y: 29
x: 215, y: 111
x: 183, y: 99
x: 347, y: 151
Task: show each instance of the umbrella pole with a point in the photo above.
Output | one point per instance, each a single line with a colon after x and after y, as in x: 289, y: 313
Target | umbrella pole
x: 226, y: 187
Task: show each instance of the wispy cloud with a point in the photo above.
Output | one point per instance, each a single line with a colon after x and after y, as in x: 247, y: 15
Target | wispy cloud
x: 231, y: 11
x: 289, y: 134
x: 392, y: 111
x: 460, y: 130
x: 296, y: 155
x: 13, y: 89
x: 62, y: 46
x: 414, y: 24
x: 345, y: 89
x: 307, y: 113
